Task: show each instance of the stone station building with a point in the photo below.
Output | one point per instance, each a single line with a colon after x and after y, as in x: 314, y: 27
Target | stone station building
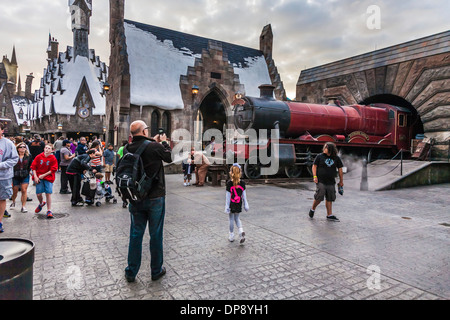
x: 173, y: 80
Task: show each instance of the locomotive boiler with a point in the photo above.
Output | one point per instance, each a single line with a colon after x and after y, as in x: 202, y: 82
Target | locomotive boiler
x: 304, y: 127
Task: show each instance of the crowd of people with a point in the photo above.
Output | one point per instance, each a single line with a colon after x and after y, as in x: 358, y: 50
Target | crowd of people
x: 20, y: 160
x: 23, y: 161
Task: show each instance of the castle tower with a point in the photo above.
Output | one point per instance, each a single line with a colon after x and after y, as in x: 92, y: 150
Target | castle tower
x: 81, y: 11
x: 11, y: 68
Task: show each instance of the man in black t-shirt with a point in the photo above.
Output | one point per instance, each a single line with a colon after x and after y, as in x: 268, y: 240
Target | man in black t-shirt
x: 324, y: 171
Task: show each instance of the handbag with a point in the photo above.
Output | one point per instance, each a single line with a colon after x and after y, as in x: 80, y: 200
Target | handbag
x: 21, y: 173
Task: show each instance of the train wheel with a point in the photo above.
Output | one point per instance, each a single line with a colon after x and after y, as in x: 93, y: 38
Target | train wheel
x: 252, y: 171
x: 293, y: 171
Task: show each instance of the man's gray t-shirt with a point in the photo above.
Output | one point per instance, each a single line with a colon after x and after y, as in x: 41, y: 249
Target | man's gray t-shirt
x: 64, y: 162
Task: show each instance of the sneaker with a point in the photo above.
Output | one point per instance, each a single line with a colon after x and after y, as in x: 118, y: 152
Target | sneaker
x: 242, y: 237
x: 49, y: 215
x: 185, y: 184
x: 23, y: 210
x: 29, y: 199
x: 332, y: 218
x: 1, y: 228
x: 311, y: 213
x: 12, y: 205
x: 7, y: 214
x: 231, y: 237
x: 39, y: 207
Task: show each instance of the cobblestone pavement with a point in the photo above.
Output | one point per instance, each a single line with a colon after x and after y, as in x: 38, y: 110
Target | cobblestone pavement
x: 402, y: 235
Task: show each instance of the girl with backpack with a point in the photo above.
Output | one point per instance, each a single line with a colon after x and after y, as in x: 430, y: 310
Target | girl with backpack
x: 235, y: 198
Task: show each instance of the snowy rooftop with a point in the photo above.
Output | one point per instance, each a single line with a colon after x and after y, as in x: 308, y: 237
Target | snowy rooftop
x: 158, y: 57
x: 61, y: 82
x: 20, y: 105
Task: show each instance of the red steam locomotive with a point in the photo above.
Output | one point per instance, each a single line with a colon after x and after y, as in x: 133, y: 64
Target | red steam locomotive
x: 373, y: 131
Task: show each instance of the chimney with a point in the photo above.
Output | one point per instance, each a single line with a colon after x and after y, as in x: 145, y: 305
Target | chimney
x: 266, y: 41
x: 28, y: 85
x: 52, y: 50
x: 266, y: 91
x: 116, y: 14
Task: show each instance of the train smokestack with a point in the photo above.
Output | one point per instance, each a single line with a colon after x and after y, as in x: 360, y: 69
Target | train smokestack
x: 266, y: 91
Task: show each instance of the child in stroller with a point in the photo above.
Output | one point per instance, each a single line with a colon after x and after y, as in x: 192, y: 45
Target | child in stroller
x: 97, y: 190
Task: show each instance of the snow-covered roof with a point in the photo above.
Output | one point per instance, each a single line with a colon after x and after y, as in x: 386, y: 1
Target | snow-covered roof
x: 61, y: 83
x: 21, y: 104
x: 158, y: 57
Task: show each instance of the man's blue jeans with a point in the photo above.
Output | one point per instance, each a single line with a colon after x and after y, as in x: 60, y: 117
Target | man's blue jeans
x: 153, y: 212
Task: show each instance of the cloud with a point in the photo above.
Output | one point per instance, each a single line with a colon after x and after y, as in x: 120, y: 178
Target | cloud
x: 307, y: 33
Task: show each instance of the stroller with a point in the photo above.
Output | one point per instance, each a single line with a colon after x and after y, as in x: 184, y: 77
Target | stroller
x: 95, y: 190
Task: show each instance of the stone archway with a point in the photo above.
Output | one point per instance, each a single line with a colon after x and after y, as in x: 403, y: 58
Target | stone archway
x: 211, y: 114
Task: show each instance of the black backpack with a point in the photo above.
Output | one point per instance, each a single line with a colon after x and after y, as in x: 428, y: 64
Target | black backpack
x: 132, y: 182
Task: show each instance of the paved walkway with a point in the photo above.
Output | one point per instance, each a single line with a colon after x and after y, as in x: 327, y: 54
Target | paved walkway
x: 388, y: 245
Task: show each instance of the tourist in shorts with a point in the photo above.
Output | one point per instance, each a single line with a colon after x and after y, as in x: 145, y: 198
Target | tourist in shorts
x: 324, y: 169
x: 44, y: 167
x: 8, y: 159
x: 21, y: 177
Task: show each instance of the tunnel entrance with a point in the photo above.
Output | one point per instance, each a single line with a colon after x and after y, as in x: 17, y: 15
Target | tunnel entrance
x: 399, y: 102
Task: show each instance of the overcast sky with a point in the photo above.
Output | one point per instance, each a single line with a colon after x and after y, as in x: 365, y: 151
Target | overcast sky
x: 307, y: 33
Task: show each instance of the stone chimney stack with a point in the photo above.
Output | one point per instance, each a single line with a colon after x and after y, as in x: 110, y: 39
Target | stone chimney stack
x: 52, y: 50
x: 116, y: 15
x: 266, y: 41
x: 28, y: 85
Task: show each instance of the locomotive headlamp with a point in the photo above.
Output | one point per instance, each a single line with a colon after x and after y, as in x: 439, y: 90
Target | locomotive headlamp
x: 195, y: 90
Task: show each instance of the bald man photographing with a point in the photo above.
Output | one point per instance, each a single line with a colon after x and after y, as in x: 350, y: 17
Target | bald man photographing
x: 152, y: 209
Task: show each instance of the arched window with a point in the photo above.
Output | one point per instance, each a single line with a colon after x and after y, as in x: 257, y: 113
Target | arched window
x: 166, y: 123
x: 155, y: 123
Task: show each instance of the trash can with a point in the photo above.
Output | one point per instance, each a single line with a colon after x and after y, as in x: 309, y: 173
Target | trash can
x: 16, y: 269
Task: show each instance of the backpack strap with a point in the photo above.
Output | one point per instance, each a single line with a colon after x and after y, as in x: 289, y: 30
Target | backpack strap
x: 140, y: 150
